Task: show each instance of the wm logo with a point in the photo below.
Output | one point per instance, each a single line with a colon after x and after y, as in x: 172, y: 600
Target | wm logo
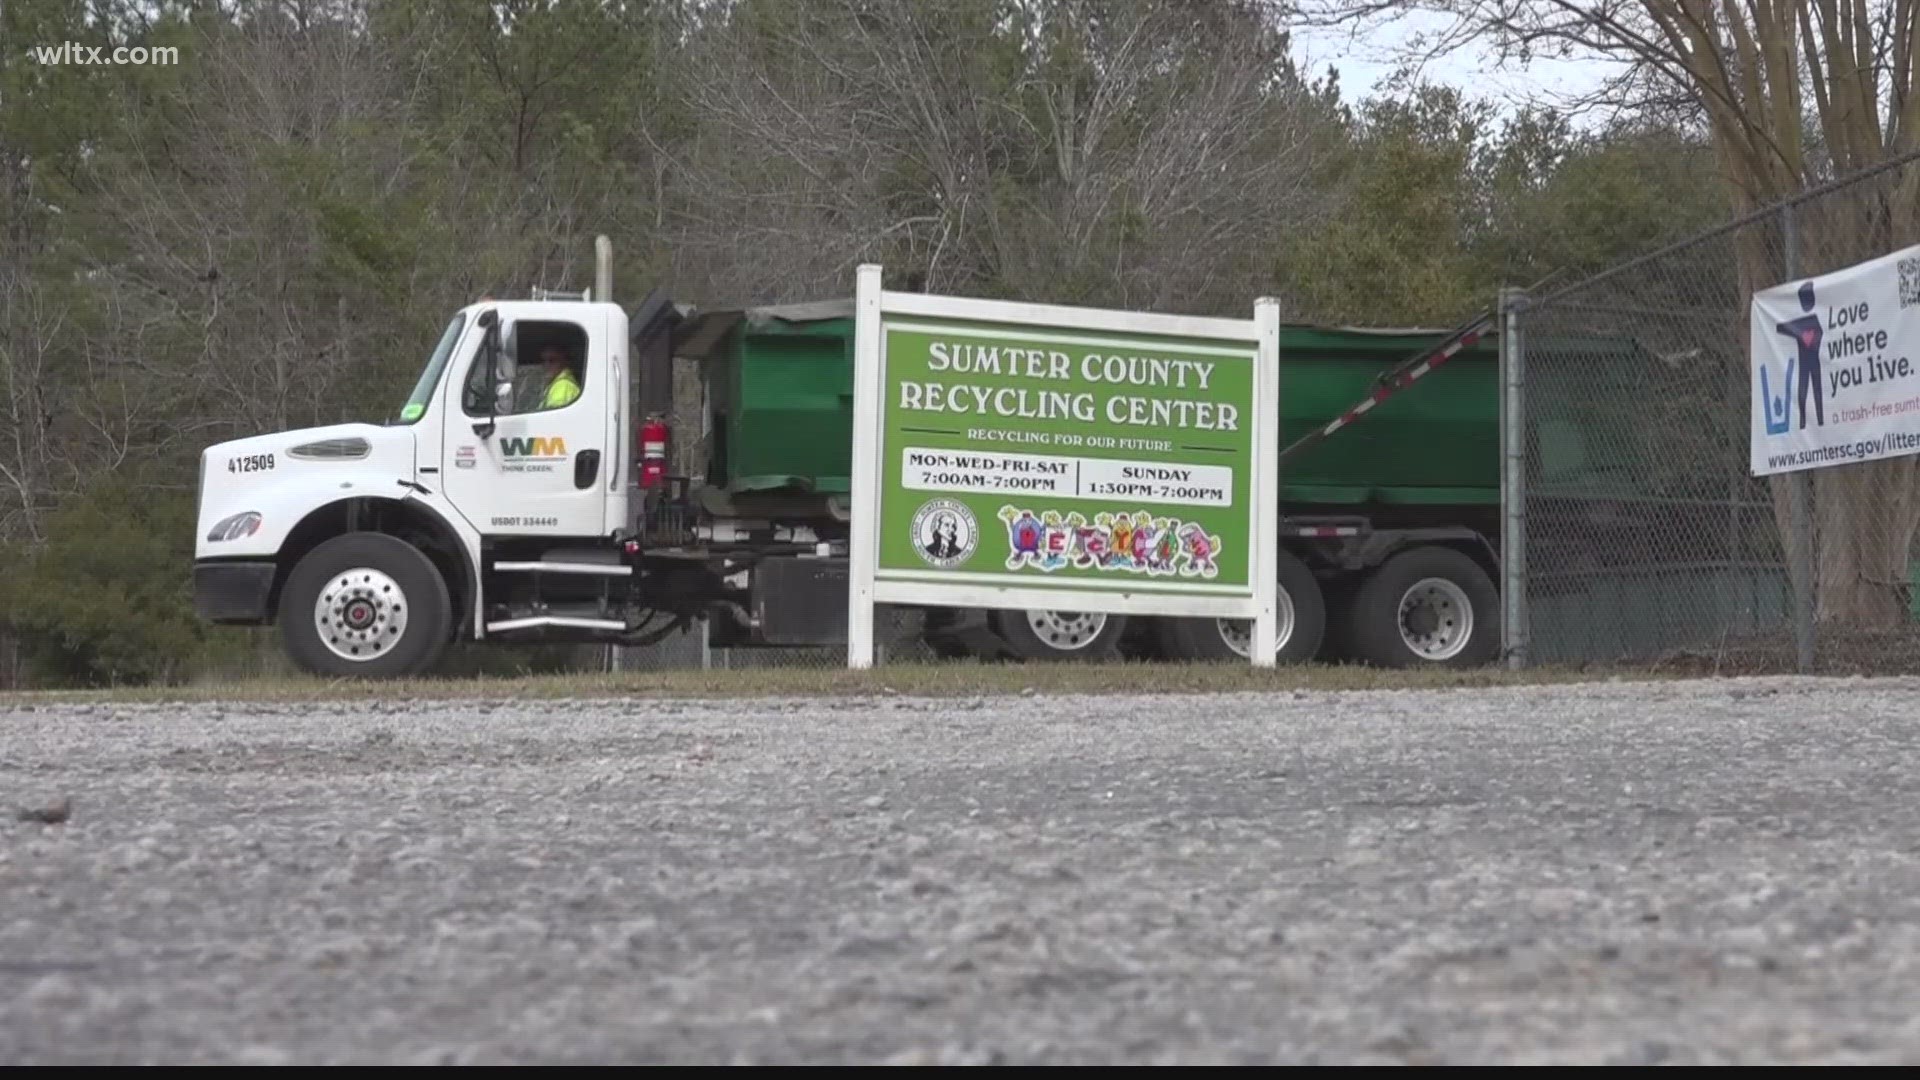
x: 534, y: 447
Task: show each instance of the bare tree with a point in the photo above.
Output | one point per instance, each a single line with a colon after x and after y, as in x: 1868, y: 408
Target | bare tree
x: 1137, y: 153
x: 27, y: 451
x: 226, y: 218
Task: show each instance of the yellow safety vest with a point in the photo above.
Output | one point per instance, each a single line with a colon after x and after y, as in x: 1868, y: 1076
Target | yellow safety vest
x: 562, y: 391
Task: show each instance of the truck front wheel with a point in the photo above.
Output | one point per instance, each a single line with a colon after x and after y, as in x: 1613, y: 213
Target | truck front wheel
x: 365, y: 605
x: 1428, y: 606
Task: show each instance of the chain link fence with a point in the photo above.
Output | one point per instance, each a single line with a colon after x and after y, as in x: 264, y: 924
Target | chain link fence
x: 1635, y: 530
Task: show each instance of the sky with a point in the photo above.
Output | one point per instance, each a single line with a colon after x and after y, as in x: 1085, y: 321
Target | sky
x: 1363, y: 64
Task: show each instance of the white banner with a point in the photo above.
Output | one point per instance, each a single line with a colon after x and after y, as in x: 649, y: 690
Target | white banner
x: 1835, y: 367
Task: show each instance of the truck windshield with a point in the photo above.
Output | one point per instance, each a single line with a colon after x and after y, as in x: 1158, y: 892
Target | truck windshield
x: 416, y: 406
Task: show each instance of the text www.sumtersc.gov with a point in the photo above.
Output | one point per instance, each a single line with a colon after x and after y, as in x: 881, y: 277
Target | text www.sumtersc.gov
x: 1892, y: 442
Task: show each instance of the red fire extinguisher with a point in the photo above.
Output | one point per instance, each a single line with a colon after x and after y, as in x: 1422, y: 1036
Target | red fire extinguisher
x: 653, y: 452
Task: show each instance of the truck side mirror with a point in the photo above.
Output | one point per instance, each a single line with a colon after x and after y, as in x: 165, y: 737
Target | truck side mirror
x: 490, y: 361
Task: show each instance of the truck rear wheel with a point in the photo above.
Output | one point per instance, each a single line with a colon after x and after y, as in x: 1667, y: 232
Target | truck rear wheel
x: 1300, y: 616
x: 365, y: 605
x: 1429, y: 606
x: 1060, y: 635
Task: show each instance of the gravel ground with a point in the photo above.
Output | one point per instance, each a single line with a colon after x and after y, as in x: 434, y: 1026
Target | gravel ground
x: 1670, y: 873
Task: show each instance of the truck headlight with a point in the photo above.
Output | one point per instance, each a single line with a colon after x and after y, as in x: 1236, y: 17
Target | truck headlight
x: 235, y: 527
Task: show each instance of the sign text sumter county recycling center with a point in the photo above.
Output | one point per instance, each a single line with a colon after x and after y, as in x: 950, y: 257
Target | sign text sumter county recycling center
x: 1029, y: 456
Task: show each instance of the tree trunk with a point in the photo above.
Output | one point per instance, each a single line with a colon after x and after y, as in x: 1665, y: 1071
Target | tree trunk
x: 1864, y: 525
x: 1865, y: 515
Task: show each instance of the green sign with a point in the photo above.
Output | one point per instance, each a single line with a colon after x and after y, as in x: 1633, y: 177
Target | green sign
x: 1082, y: 460
x: 1030, y: 456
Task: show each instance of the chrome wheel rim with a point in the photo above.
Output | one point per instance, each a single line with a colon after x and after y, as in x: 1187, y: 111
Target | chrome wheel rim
x: 1435, y: 619
x: 1238, y: 633
x: 361, y: 614
x: 1067, y: 631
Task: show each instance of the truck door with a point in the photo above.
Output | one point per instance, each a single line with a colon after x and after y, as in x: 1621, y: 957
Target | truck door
x: 537, y: 465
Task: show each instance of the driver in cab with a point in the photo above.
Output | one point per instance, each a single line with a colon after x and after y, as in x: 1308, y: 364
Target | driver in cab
x: 562, y: 386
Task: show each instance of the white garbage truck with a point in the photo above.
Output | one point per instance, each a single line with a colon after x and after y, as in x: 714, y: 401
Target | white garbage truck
x: 523, y: 493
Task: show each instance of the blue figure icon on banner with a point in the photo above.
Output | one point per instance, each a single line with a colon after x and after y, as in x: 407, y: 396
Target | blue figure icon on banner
x: 1806, y: 332
x: 1778, y: 411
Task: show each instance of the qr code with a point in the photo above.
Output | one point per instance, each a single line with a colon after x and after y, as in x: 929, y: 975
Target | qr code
x: 1910, y: 282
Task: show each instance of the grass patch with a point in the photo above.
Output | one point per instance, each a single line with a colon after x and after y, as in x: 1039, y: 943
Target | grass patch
x: 943, y: 679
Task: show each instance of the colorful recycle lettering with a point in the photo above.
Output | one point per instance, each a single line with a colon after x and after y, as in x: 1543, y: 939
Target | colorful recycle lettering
x: 1135, y: 542
x: 1093, y: 543
x: 1120, y: 551
x: 1143, y: 537
x: 1167, y: 548
x: 1054, y: 542
x: 1024, y: 535
x: 1200, y: 549
x: 1077, y: 533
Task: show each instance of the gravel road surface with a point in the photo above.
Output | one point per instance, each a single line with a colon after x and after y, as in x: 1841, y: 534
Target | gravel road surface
x: 1618, y: 873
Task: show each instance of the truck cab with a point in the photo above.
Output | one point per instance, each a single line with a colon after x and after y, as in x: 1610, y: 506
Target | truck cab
x: 373, y: 545
x: 522, y: 431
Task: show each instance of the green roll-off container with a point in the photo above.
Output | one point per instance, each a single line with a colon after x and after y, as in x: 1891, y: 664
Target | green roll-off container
x: 781, y: 394
x: 780, y: 386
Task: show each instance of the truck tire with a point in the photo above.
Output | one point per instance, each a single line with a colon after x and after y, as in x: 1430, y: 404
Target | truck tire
x: 1427, y: 606
x: 1301, y: 614
x: 365, y: 605
x: 1060, y: 635
x: 1337, y: 592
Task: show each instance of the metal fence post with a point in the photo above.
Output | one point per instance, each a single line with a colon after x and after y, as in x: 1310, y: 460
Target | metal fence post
x: 1799, y: 501
x: 1513, y: 480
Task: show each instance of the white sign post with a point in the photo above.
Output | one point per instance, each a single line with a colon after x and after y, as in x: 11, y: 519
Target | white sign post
x: 1040, y: 457
x: 1835, y: 367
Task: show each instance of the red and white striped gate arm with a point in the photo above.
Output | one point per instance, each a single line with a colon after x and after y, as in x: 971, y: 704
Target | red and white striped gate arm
x: 1397, y: 380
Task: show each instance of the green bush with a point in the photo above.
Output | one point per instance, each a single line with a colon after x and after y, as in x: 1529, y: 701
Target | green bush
x: 105, y: 597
